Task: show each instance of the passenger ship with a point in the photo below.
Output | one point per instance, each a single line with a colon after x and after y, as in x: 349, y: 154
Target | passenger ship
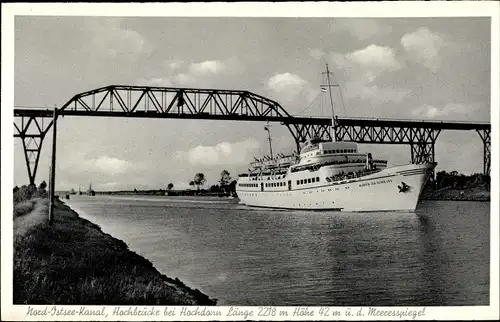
x: 328, y: 175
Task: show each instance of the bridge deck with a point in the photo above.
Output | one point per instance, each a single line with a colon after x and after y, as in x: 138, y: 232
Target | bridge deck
x: 342, y: 121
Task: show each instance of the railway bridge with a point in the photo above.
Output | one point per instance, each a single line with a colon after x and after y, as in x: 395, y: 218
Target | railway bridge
x: 33, y: 124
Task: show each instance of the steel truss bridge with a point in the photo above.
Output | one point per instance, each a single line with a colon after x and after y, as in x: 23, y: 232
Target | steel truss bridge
x: 32, y: 125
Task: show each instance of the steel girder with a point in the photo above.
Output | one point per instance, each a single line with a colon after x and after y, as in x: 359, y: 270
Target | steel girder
x: 32, y: 131
x: 421, y: 140
x: 486, y: 138
x: 167, y: 100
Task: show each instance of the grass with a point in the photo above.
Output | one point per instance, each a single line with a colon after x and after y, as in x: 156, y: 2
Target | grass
x: 24, y: 207
x: 74, y: 262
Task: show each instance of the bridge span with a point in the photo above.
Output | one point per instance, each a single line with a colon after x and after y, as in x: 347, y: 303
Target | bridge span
x: 33, y: 124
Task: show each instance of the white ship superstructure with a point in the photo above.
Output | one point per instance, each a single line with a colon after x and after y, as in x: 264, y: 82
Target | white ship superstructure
x: 328, y: 175
x: 333, y: 176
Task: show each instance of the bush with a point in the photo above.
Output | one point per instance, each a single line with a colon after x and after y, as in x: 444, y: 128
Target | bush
x: 28, y: 192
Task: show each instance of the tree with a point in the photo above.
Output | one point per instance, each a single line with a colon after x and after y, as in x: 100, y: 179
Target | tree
x: 42, y: 189
x: 232, y: 188
x: 199, y: 180
x: 43, y: 185
x: 225, y: 179
x: 191, y: 183
x: 170, y: 186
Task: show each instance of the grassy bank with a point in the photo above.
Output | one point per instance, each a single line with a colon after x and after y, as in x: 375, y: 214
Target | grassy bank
x: 478, y: 193
x: 74, y: 262
x: 455, y: 186
x: 469, y: 192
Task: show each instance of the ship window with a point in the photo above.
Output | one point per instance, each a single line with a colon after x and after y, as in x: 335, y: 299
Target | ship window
x: 301, y: 181
x: 298, y: 182
x: 317, y: 179
x: 309, y: 180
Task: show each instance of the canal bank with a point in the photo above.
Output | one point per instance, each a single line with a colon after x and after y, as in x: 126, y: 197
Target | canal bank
x: 74, y: 262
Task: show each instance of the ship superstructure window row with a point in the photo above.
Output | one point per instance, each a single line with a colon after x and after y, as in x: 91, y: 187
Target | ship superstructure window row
x: 339, y: 151
x: 307, y: 181
x: 251, y: 185
x: 275, y: 184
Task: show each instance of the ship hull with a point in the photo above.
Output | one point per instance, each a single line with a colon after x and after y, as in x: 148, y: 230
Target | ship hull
x: 392, y: 189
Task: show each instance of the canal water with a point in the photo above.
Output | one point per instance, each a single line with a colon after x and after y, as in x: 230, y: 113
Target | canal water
x: 243, y: 256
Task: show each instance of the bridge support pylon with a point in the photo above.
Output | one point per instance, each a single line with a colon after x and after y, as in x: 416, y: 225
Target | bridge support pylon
x: 486, y: 138
x: 32, y: 131
x: 423, y: 145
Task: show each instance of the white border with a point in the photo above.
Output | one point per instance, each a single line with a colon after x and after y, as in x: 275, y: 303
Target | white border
x: 317, y: 9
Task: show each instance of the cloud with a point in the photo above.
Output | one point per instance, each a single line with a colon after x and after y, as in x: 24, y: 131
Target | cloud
x: 155, y: 81
x: 208, y: 73
x: 430, y: 111
x: 224, y: 153
x: 285, y: 82
x: 368, y: 63
x: 362, y: 29
x: 103, y: 165
x: 375, y: 94
x: 316, y: 53
x: 111, y: 39
x: 183, y: 79
x: 290, y: 90
x: 364, y: 67
x: 173, y: 64
x: 375, y: 57
x: 110, y: 165
x: 207, y: 67
x: 423, y: 46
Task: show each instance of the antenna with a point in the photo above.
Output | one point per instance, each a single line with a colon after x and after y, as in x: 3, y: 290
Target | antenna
x: 332, y: 131
x: 267, y: 128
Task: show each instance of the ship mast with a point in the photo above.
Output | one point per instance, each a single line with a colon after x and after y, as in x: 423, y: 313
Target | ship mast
x: 269, y: 138
x: 332, y: 128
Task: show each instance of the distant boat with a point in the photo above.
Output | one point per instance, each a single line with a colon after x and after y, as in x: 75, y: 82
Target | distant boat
x: 90, y: 191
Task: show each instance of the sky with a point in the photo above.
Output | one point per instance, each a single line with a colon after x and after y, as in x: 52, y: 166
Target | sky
x: 405, y: 68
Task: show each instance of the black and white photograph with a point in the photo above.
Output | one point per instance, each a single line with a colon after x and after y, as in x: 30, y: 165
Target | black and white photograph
x: 250, y: 161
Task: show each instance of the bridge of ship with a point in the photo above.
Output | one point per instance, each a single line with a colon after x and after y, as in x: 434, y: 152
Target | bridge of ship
x: 32, y: 125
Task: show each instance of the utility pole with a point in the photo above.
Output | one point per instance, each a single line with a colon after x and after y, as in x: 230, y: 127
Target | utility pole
x: 53, y: 168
